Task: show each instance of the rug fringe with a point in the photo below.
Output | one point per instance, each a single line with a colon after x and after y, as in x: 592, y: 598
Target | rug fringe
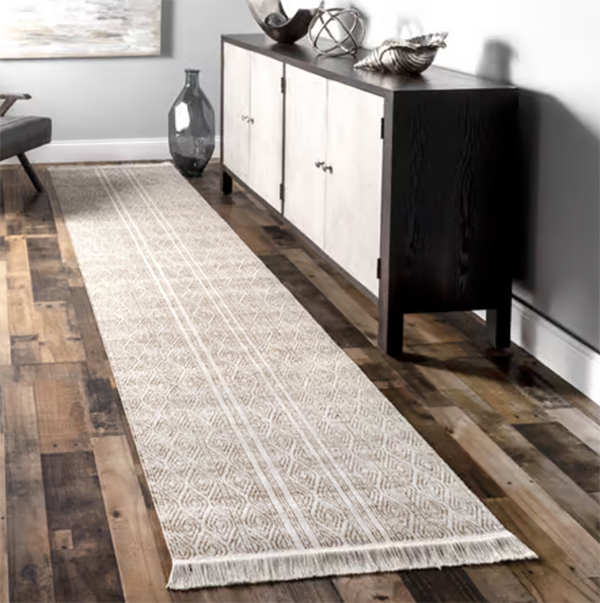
x: 200, y: 573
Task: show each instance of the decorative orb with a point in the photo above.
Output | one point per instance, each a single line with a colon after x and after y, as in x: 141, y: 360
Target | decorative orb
x: 337, y: 32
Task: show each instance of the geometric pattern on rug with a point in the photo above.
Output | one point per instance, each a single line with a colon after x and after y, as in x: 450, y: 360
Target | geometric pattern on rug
x: 269, y: 454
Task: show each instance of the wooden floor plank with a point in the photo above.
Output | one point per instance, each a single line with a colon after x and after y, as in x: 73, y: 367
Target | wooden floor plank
x: 499, y: 584
x: 554, y: 577
x: 30, y: 568
x: 373, y: 588
x: 520, y: 487
x: 87, y: 571
x: 58, y: 332
x: 566, y: 451
x: 4, y: 575
x: 5, y: 355
x: 136, y: 551
x: 48, y: 279
x: 567, y: 493
x: 579, y: 425
x: 451, y: 585
x: 63, y: 420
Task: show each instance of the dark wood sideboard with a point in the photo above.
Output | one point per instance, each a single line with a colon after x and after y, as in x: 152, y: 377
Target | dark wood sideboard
x: 416, y: 177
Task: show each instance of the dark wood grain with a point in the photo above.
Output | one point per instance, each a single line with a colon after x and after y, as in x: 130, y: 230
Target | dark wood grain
x: 451, y: 584
x: 87, y: 571
x: 566, y: 451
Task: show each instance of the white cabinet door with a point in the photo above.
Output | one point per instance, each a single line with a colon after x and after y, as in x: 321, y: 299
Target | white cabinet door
x: 236, y: 110
x: 353, y: 189
x: 266, y: 129
x: 305, y: 122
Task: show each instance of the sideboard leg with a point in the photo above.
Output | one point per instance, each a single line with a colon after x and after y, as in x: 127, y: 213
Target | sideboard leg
x: 226, y: 183
x: 498, y: 326
x: 391, y: 335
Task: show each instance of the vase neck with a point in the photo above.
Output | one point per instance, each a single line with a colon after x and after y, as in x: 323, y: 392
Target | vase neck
x: 192, y: 78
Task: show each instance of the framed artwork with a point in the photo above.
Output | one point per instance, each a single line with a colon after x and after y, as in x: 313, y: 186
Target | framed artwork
x: 79, y: 28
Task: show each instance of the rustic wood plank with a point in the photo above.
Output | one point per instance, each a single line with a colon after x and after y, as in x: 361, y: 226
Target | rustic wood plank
x: 373, y: 588
x: 499, y: 584
x: 449, y: 584
x: 566, y: 451
x: 5, y: 354
x: 88, y: 327
x: 61, y: 540
x: 63, y: 421
x: 18, y: 262
x: 560, y: 486
x: 67, y: 252
x: 334, y: 293
x: 579, y: 425
x: 58, y: 332
x: 30, y: 568
x: 536, y: 502
x: 104, y: 403
x: 48, y: 279
x: 554, y: 577
x: 4, y: 574
x: 88, y: 571
x: 22, y: 327
x: 135, y: 548
x: 256, y: 239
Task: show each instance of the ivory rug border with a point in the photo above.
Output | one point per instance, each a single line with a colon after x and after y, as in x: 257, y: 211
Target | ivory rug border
x: 269, y: 454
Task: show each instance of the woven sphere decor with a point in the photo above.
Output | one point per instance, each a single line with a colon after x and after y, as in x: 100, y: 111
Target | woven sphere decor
x: 337, y: 32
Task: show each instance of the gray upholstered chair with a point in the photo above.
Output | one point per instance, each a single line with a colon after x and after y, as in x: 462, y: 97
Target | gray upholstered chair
x: 20, y: 134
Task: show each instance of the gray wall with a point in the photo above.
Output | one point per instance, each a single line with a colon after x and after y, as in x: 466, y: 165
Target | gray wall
x: 124, y: 98
x: 548, y: 49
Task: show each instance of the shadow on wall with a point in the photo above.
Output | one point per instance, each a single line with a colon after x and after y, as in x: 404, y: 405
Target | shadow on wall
x: 166, y: 29
x: 558, y: 259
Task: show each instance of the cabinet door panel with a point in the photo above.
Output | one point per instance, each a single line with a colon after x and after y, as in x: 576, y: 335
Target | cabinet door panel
x: 353, y: 189
x: 266, y: 130
x: 305, y: 119
x: 236, y: 106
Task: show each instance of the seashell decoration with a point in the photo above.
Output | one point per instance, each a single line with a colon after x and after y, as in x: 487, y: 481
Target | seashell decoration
x: 409, y: 57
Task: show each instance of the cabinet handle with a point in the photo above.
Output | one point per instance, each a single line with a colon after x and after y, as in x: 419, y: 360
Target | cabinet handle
x: 319, y: 164
x: 328, y: 168
x: 251, y: 120
x: 245, y: 118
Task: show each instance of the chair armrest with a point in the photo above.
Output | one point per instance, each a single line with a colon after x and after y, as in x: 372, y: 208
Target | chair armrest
x: 10, y: 100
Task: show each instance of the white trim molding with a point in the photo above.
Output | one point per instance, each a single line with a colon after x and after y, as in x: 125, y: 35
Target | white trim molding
x: 574, y: 361
x: 75, y: 151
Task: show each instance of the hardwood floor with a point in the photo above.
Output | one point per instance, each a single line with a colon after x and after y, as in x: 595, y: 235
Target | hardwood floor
x: 76, y: 519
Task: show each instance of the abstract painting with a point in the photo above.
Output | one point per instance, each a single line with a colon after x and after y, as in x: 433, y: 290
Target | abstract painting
x: 79, y: 28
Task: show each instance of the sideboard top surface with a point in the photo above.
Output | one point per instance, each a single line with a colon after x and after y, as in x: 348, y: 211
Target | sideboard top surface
x: 342, y: 69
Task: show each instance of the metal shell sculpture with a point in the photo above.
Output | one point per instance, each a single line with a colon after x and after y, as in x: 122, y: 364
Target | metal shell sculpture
x: 272, y: 19
x: 336, y: 32
x: 409, y: 57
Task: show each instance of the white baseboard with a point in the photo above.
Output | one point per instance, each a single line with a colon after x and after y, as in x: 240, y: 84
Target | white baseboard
x: 575, y: 362
x: 75, y: 151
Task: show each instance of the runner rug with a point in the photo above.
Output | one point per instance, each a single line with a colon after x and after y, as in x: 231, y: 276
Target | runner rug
x: 269, y: 454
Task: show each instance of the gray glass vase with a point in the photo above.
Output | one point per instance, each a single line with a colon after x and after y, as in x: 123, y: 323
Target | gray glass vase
x: 191, y: 127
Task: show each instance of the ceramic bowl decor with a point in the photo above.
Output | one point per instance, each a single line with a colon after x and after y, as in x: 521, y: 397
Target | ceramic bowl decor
x: 408, y: 57
x: 271, y: 17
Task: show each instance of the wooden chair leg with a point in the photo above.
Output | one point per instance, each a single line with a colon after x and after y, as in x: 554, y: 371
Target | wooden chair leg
x: 30, y: 172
